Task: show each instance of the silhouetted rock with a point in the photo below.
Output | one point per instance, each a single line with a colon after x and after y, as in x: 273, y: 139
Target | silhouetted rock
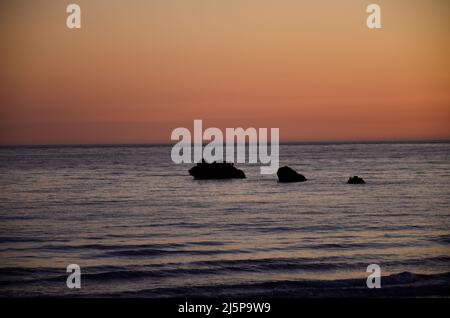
x: 216, y: 170
x: 286, y: 174
x: 356, y: 180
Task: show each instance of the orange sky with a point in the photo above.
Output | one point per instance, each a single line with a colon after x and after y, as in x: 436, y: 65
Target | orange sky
x: 138, y: 69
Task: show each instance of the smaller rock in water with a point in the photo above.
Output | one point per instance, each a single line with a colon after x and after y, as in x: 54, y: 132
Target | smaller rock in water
x: 287, y: 174
x: 355, y: 180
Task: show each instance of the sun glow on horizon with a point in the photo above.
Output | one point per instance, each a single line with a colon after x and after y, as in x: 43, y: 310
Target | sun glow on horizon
x: 135, y: 71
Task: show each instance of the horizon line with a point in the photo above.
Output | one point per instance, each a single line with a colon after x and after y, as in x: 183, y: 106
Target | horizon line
x: 162, y: 144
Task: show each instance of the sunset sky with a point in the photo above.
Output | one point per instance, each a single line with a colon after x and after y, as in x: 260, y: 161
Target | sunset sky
x: 138, y: 69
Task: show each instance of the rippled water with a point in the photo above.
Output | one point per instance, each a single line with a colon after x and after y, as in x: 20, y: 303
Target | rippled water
x: 139, y: 225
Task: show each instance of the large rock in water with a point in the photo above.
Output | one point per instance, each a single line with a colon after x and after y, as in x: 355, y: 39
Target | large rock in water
x: 355, y: 180
x: 286, y: 174
x: 216, y: 170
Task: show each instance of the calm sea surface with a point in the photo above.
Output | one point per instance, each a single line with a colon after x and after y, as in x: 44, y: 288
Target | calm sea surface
x: 139, y: 225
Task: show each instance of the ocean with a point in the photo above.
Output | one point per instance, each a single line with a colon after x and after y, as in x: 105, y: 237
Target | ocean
x: 138, y: 225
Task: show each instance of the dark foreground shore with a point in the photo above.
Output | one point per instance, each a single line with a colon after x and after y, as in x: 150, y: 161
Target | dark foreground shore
x: 398, y: 285
x: 404, y: 284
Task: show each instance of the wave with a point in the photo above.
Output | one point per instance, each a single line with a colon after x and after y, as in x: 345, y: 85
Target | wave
x: 165, y: 252
x: 405, y: 284
x: 443, y: 239
x: 217, y: 268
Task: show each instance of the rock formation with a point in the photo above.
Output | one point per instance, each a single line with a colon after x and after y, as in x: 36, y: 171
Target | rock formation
x: 215, y: 170
x: 287, y: 174
x: 355, y: 180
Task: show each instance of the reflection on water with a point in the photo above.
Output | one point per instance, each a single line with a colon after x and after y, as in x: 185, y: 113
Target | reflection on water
x: 134, y: 221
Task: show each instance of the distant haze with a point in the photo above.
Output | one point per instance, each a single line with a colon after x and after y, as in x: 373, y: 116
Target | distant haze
x: 138, y: 69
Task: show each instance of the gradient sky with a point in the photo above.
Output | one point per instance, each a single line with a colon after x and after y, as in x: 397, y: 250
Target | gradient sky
x: 138, y: 69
